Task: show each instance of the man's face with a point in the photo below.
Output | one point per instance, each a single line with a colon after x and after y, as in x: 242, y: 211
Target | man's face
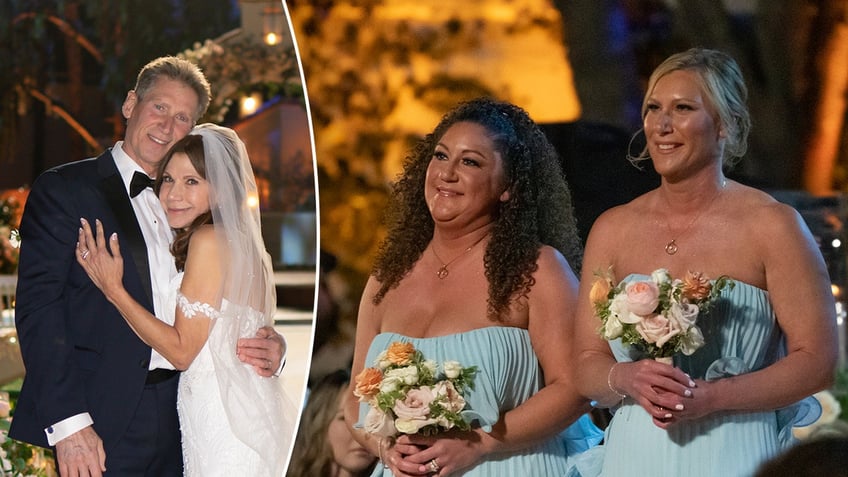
x: 154, y: 123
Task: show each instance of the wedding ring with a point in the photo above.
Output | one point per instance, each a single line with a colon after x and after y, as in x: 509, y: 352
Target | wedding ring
x: 85, y: 254
x: 434, y: 466
x: 268, y: 366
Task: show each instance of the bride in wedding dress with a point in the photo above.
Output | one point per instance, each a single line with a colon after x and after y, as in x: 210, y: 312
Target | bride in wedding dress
x: 233, y: 421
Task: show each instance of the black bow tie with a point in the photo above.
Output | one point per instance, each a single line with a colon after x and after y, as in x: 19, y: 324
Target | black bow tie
x: 139, y: 182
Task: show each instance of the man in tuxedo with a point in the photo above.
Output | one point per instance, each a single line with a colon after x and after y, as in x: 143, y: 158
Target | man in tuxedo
x: 93, y: 389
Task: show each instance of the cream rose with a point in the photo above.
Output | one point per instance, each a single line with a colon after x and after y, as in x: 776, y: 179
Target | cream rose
x: 613, y: 327
x: 656, y: 329
x: 379, y: 423
x: 382, y: 362
x: 430, y: 366
x: 642, y: 297
x: 692, y: 341
x: 411, y: 426
x: 660, y: 275
x: 452, y: 369
x: 407, y: 375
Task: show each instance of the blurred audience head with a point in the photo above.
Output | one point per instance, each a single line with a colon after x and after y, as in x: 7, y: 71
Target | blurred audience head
x: 324, y: 445
x: 824, y: 456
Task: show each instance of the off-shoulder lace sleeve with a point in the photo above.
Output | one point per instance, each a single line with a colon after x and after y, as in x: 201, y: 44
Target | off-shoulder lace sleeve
x: 190, y: 309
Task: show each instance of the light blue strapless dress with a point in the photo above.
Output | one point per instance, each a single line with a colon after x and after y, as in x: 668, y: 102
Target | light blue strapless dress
x: 742, y: 336
x: 508, y: 373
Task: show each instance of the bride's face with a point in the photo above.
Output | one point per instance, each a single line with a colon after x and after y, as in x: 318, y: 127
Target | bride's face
x: 184, y: 192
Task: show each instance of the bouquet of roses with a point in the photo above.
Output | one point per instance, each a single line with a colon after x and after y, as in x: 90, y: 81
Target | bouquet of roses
x: 657, y: 315
x: 408, y: 394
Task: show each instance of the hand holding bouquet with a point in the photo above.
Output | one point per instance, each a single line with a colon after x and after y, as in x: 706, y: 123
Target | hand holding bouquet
x: 657, y: 315
x: 410, y: 395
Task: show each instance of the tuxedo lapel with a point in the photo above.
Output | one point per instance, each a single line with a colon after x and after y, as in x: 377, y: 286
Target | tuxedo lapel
x: 119, y: 201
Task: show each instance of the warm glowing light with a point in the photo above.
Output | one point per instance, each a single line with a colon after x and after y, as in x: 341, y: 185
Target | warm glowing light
x: 249, y: 104
x: 272, y: 39
x: 253, y: 201
x: 273, y: 19
x: 834, y: 288
x: 836, y: 243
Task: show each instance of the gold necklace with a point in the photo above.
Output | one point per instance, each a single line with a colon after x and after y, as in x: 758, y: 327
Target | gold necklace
x: 671, y: 247
x: 443, y: 272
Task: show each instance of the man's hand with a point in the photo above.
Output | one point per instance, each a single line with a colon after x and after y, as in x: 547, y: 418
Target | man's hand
x: 81, y: 454
x: 264, y: 352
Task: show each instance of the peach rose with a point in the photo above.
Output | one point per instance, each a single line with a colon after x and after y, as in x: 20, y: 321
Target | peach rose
x: 450, y: 398
x: 379, y: 423
x: 642, y: 297
x: 657, y: 329
x: 400, y: 354
x: 600, y: 290
x: 696, y: 286
x: 367, y: 384
x: 5, y: 408
x: 413, y: 412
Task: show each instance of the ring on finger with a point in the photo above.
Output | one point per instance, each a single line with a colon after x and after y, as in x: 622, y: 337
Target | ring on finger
x: 434, y: 466
x: 85, y: 254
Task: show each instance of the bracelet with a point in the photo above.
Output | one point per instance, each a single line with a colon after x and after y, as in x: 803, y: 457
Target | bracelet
x: 380, y: 453
x: 609, y: 383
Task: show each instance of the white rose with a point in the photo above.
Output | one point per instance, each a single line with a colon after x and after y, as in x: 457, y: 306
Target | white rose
x: 613, y: 327
x: 411, y: 426
x: 431, y: 366
x: 692, y: 340
x: 379, y: 423
x: 407, y: 375
x: 389, y: 384
x: 452, y: 369
x: 619, y: 309
x: 660, y: 276
x: 382, y: 361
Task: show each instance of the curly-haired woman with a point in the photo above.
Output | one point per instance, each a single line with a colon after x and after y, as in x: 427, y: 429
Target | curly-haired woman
x: 475, y: 268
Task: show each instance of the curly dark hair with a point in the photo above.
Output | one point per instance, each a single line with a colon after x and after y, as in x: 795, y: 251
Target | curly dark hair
x: 538, y: 212
x: 191, y: 146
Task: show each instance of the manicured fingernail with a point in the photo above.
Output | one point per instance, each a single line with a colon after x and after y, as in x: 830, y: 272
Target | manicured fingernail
x: 691, y: 383
x: 114, y: 236
x: 679, y: 407
x: 82, y: 221
x: 688, y: 393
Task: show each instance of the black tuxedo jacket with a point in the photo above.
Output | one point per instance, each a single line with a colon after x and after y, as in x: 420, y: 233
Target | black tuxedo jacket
x: 79, y: 353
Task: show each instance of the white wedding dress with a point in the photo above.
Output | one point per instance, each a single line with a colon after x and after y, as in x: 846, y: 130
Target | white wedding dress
x: 233, y: 421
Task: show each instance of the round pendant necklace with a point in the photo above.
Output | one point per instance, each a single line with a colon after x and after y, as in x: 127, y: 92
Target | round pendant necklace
x: 443, y: 271
x: 671, y: 246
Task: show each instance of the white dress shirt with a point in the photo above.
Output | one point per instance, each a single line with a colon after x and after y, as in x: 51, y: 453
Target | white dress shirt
x: 157, y: 236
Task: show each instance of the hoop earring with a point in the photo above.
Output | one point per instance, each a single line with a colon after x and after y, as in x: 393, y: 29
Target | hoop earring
x: 635, y: 160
